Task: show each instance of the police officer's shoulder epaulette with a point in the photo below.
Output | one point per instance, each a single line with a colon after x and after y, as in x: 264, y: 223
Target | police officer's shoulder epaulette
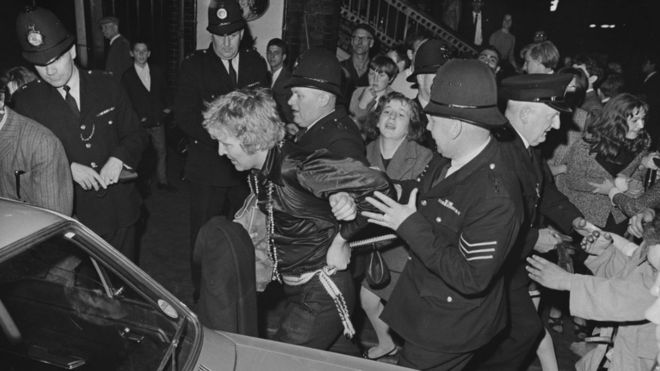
x: 195, y: 53
x: 34, y: 84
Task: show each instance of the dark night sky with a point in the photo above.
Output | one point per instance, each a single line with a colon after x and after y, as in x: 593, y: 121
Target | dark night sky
x: 636, y: 27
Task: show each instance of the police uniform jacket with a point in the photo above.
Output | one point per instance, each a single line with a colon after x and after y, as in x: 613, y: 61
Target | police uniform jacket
x: 302, y: 183
x: 450, y: 296
x: 203, y: 77
x: 337, y: 133
x: 541, y: 197
x: 282, y: 95
x: 107, y: 127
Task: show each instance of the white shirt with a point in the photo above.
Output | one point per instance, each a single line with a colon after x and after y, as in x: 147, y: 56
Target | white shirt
x: 144, y: 75
x: 276, y: 74
x: 458, y: 163
x: 478, y: 37
x: 74, y: 87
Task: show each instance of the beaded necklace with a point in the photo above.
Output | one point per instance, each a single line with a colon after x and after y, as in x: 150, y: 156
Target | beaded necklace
x: 253, y: 182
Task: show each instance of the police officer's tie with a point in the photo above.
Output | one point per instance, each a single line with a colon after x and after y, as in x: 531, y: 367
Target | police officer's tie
x: 232, y: 73
x: 71, y: 101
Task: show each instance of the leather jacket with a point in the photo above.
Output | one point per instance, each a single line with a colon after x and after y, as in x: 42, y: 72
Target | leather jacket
x: 302, y: 183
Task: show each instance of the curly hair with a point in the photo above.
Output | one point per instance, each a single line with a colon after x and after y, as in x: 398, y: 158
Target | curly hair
x: 606, y: 133
x: 415, y: 126
x: 249, y: 114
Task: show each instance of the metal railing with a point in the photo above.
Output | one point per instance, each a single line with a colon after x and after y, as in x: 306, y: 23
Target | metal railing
x: 393, y: 20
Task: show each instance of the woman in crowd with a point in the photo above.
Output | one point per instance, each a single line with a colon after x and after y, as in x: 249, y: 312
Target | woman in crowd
x: 382, y: 72
x: 613, y: 145
x: 394, y: 130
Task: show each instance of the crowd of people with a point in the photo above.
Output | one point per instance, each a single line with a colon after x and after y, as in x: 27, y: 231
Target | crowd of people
x: 486, y: 171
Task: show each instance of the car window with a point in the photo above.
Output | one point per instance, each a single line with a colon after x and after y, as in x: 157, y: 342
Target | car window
x: 60, y: 308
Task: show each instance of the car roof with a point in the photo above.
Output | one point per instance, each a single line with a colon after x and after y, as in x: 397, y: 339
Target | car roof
x: 19, y: 220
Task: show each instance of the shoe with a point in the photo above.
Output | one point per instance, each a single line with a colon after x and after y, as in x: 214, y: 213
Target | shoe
x: 581, y: 331
x: 166, y: 187
x: 556, y: 324
x: 391, y: 353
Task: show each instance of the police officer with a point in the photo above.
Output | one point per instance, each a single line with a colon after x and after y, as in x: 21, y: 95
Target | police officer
x: 89, y: 113
x: 215, y: 186
x: 315, y: 86
x: 534, y: 102
x: 460, y: 222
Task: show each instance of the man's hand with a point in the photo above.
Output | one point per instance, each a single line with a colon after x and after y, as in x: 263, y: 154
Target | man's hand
x: 339, y: 253
x: 548, y: 274
x: 394, y: 213
x: 548, y: 240
x: 343, y: 206
x: 87, y: 177
x: 636, y: 222
x: 596, y: 242
x: 584, y: 227
x: 111, y: 170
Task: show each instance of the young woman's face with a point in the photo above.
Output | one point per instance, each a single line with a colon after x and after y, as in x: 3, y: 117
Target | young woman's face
x: 636, y: 123
x: 394, y: 120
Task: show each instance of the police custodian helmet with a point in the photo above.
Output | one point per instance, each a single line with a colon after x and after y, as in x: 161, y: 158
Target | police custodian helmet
x: 42, y: 36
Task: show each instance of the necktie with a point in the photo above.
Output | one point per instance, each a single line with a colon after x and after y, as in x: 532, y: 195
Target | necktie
x: 232, y: 73
x: 70, y: 100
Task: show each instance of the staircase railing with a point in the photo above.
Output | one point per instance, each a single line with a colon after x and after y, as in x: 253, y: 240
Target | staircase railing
x: 393, y: 20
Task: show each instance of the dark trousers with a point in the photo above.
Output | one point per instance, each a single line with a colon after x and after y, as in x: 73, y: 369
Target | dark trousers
x: 311, y: 318
x: 418, y: 358
x: 514, y: 346
x: 123, y: 239
x: 207, y: 201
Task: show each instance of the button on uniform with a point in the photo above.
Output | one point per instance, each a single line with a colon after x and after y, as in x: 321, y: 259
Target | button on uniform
x: 438, y: 219
x: 449, y: 299
x: 88, y: 145
x: 94, y: 165
x: 423, y: 203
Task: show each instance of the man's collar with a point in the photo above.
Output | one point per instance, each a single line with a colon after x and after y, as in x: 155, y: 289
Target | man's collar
x: 522, y: 137
x: 114, y: 38
x: 320, y: 118
x: 458, y: 163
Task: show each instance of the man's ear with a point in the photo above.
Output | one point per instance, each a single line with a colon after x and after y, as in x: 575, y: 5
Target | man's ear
x: 455, y: 129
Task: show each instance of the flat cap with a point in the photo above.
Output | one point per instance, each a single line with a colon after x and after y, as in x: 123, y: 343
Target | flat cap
x: 537, y: 87
x: 109, y: 19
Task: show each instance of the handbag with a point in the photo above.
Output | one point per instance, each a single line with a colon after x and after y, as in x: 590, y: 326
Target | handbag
x: 378, y: 274
x: 254, y: 222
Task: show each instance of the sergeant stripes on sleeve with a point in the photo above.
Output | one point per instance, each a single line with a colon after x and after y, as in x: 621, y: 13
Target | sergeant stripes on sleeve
x: 477, y: 250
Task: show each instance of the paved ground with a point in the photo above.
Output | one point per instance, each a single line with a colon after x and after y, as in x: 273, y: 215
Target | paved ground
x: 165, y: 251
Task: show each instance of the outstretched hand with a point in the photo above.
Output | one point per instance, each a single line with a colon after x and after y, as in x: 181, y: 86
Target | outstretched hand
x: 394, y: 213
x: 548, y: 274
